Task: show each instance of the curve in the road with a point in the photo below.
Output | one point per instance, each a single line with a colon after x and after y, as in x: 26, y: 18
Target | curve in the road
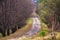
x: 36, y: 27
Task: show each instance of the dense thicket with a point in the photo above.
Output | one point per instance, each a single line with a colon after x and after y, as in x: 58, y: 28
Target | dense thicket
x: 14, y: 13
x: 50, y: 13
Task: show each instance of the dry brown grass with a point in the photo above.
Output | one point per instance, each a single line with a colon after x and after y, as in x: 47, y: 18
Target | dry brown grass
x: 19, y: 32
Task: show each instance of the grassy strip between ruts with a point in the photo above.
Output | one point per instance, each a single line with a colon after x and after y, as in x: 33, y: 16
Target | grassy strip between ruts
x: 21, y: 31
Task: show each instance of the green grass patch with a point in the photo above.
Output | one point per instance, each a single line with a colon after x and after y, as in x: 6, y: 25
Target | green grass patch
x: 43, y: 33
x: 29, y: 21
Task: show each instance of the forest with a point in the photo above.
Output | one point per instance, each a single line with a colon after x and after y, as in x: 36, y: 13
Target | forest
x: 29, y: 19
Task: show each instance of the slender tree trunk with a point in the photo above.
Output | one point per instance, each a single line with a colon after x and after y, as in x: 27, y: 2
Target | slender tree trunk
x: 53, y: 25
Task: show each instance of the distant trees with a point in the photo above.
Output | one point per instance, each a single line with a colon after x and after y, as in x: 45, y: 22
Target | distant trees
x: 13, y: 14
x: 50, y: 14
x: 54, y: 8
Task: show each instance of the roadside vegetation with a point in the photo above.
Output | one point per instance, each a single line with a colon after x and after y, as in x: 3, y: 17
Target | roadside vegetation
x: 19, y: 32
x: 49, y: 15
